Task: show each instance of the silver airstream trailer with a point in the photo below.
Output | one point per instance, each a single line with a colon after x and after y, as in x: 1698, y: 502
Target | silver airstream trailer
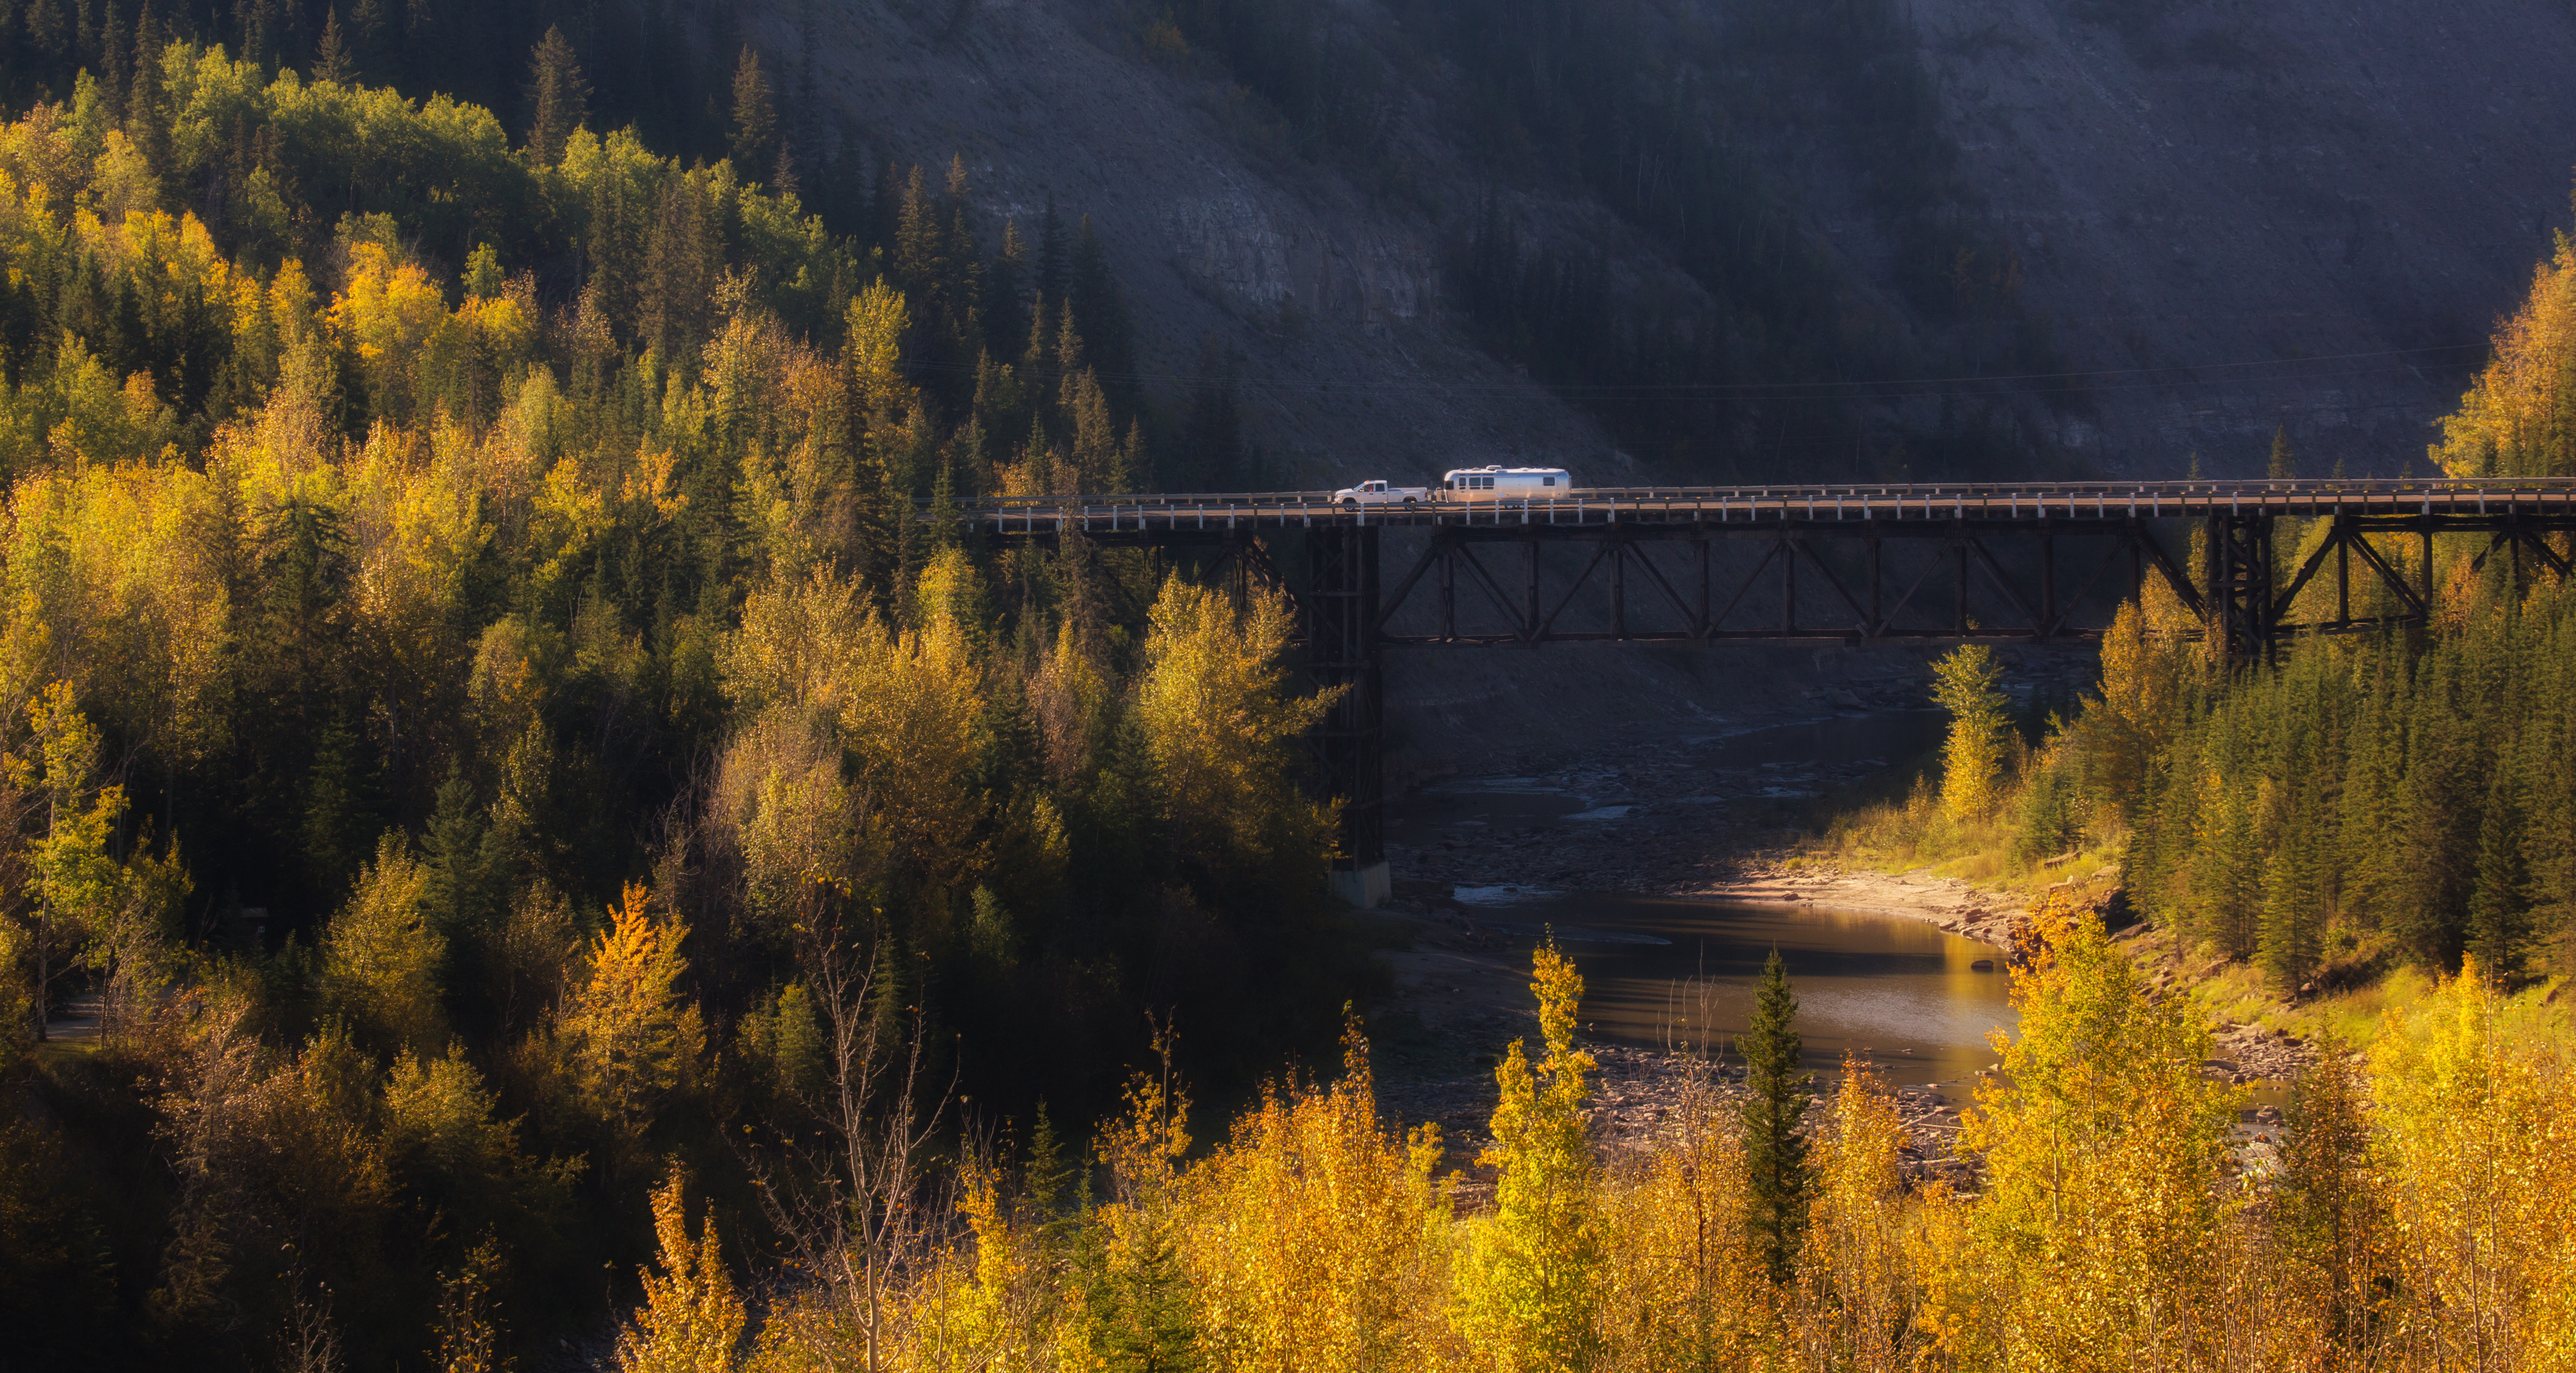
x: 1506, y: 484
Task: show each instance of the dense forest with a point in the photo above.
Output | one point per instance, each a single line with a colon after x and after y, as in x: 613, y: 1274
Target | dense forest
x: 483, y: 721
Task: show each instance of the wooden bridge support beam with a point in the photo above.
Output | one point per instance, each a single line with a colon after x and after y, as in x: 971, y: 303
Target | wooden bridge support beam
x: 2239, y: 560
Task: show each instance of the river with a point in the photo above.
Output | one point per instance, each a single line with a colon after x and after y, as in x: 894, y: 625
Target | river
x: 1900, y: 994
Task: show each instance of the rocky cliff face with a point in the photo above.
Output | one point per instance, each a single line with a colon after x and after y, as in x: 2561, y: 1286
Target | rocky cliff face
x: 1332, y: 298
x: 2233, y: 217
x: 2248, y: 216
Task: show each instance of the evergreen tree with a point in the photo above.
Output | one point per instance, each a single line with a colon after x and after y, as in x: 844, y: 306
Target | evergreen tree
x: 1777, y: 1087
x: 558, y: 98
x: 331, y: 55
x: 2498, y: 932
x: 1093, y: 295
x: 455, y: 894
x: 1052, y: 268
x: 754, y: 142
x: 116, y: 52
x: 2284, y: 464
x: 2287, y: 938
x: 1006, y: 306
x: 371, y: 42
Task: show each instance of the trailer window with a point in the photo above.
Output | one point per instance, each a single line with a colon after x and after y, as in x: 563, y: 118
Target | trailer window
x: 1547, y: 481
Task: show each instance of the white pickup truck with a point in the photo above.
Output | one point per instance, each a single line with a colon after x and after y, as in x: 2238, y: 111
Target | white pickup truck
x: 1379, y: 493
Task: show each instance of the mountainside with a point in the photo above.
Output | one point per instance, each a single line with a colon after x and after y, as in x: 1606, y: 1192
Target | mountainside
x: 2245, y: 217
x: 2093, y: 162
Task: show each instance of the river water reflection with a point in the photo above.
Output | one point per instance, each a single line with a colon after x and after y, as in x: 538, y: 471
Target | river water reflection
x: 1900, y: 994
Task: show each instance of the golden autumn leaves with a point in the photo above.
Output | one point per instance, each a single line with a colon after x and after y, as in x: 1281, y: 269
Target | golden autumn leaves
x: 2414, y: 1228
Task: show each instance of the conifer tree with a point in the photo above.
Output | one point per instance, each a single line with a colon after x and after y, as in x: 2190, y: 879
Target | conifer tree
x: 2284, y: 465
x: 1778, y: 1090
x: 754, y: 143
x: 1052, y: 266
x: 2498, y: 933
x: 373, y: 25
x: 116, y: 53
x: 558, y: 97
x: 331, y: 55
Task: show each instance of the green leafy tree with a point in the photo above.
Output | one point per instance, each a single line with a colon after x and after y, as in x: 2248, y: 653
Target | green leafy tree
x: 76, y: 888
x: 381, y: 959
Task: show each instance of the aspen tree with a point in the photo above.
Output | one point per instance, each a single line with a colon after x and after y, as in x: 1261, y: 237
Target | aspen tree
x: 2094, y: 1245
x: 1972, y: 762
x: 1528, y: 1283
x: 1313, y: 1240
x: 1855, y: 1276
x: 1220, y: 723
x: 380, y: 958
x: 2477, y: 1135
x: 73, y: 882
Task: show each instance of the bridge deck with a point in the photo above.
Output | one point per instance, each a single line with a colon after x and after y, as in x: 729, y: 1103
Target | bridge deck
x: 2078, y: 502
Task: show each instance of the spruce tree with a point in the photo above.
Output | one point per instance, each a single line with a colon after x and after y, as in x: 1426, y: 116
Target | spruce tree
x: 2285, y: 464
x: 117, y: 56
x: 1212, y: 435
x: 331, y: 55
x: 456, y: 894
x: 2498, y: 922
x: 558, y: 97
x: 1778, y: 1089
x: 755, y: 119
x: 1051, y: 254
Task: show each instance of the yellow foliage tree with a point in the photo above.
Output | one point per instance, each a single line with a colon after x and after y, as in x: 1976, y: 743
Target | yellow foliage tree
x: 1972, y: 762
x: 388, y: 315
x: 2516, y: 420
x: 380, y: 957
x: 911, y: 710
x: 1314, y: 1239
x: 1528, y: 1286
x: 1854, y: 1273
x: 2095, y: 1245
x: 691, y: 1320
x: 2476, y: 1109
x: 1684, y: 1282
x: 636, y: 1039
x: 75, y: 888
x: 1220, y: 724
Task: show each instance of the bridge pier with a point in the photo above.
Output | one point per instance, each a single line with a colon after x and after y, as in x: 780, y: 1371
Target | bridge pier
x: 1341, y: 607
x: 2240, y: 585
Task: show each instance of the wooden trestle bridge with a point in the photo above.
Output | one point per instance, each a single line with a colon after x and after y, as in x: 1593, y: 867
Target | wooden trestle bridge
x: 2029, y: 563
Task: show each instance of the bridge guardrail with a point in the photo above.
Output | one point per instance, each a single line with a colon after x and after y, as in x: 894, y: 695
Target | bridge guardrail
x: 1841, y: 501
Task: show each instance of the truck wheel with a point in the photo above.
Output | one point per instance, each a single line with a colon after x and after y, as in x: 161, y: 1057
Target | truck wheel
x: 1408, y: 502
x: 1350, y: 505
